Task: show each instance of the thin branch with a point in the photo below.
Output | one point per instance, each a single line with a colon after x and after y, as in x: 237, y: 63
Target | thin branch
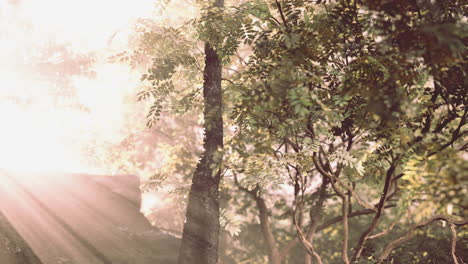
x: 228, y: 80
x: 410, y: 234
x: 280, y: 9
x: 347, y: 187
x: 385, y: 231
x: 242, y: 188
x: 309, y: 247
x: 295, y: 147
x: 231, y: 69
x: 327, y: 224
x: 337, y: 219
x: 464, y: 147
x: 276, y: 20
x: 270, y: 241
x: 344, y: 209
x: 375, y: 221
x: 454, y: 243
x: 241, y: 59
x: 454, y: 138
x: 455, y: 135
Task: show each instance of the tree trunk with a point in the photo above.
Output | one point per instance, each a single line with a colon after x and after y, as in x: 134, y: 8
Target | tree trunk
x: 201, y: 228
x: 273, y: 252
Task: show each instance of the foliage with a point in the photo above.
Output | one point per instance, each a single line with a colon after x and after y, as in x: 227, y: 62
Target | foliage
x: 365, y: 100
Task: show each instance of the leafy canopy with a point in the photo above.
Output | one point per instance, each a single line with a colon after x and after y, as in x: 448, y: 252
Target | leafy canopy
x: 364, y: 99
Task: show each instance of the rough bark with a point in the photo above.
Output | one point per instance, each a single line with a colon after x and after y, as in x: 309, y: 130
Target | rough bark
x: 201, y: 228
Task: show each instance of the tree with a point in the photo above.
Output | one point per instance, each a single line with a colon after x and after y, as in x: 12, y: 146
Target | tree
x: 201, y: 229
x: 328, y: 103
x: 348, y: 119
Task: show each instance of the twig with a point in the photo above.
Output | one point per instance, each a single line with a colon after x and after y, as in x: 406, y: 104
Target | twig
x: 228, y: 80
x: 386, y: 231
x: 347, y: 187
x: 280, y: 9
x: 455, y: 135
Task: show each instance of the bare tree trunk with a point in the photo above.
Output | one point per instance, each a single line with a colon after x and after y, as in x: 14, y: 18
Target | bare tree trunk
x: 273, y: 252
x: 201, y: 228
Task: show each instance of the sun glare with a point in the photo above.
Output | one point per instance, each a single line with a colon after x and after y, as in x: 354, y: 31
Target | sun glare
x: 36, y: 133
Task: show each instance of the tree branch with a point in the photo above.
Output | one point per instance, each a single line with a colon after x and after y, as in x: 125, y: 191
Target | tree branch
x: 337, y: 219
x: 406, y: 237
x: 385, y: 231
x: 280, y: 9
x: 270, y: 241
x: 454, y: 243
x: 327, y: 224
x: 375, y: 221
x: 344, y: 208
x: 333, y: 179
x: 316, y: 213
x: 309, y: 247
x: 344, y: 212
x: 455, y: 135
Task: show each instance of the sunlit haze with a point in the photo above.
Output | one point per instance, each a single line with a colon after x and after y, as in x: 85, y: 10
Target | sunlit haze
x: 43, y: 127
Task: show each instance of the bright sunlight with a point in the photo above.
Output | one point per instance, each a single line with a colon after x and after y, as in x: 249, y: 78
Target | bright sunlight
x: 39, y: 130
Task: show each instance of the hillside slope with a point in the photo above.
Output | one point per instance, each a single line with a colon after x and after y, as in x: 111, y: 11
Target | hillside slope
x: 76, y: 219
